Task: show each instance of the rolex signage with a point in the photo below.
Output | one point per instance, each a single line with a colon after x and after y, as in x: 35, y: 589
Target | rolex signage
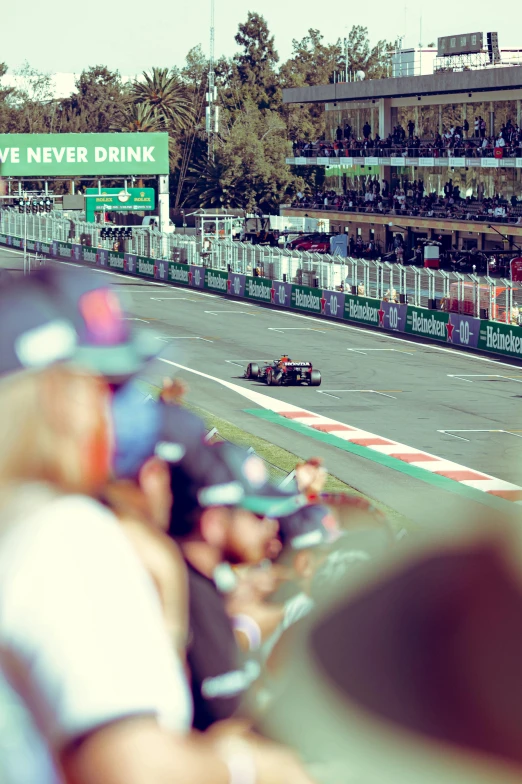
x: 118, y: 200
x: 77, y: 154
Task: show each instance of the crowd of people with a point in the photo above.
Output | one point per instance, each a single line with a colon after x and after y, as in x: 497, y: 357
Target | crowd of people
x: 409, y: 198
x: 455, y: 141
x: 155, y: 587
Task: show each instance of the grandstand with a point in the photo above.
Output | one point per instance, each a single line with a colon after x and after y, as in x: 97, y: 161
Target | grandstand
x: 433, y: 156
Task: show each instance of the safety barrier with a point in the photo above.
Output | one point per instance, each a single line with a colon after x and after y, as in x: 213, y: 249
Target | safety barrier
x: 366, y: 307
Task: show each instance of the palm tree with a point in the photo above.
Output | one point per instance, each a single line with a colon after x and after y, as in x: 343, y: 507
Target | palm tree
x: 212, y: 186
x: 138, y: 118
x: 163, y: 93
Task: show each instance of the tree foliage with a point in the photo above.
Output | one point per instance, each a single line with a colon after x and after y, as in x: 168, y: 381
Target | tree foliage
x: 249, y: 168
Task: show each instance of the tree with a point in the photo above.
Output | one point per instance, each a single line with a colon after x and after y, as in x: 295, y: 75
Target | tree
x: 163, y: 92
x: 137, y: 118
x: 254, y: 75
x: 212, y: 184
x: 6, y: 110
x: 99, y: 98
x: 33, y: 100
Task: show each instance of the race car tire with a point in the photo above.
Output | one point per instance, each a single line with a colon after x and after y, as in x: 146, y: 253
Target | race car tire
x: 315, y: 378
x: 271, y: 379
x: 252, y: 370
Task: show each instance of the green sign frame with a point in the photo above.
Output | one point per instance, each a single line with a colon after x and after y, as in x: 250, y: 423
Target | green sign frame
x: 79, y: 154
x: 117, y: 200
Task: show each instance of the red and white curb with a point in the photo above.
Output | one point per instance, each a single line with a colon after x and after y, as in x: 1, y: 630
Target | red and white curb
x: 408, y: 454
x: 386, y: 446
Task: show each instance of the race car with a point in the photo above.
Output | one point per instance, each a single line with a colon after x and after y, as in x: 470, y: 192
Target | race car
x: 284, y: 372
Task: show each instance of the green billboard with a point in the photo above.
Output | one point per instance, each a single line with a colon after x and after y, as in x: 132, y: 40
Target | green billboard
x: 216, y: 280
x: 118, y: 200
x: 429, y: 324
x: 76, y: 154
x: 362, y: 309
x: 306, y: 298
x: 258, y: 288
x: 500, y: 338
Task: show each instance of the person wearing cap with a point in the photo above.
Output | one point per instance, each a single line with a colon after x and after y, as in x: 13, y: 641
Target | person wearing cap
x: 224, y: 512
x: 82, y: 638
x: 307, y: 536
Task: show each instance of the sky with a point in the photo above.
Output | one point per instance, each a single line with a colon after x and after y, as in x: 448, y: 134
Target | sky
x: 132, y: 36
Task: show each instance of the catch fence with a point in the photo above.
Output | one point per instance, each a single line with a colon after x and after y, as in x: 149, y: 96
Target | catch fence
x: 473, y: 295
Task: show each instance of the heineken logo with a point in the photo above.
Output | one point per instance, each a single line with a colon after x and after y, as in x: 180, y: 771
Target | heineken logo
x: 145, y: 267
x: 115, y: 261
x: 216, y: 281
x: 362, y: 311
x: 45, y: 248
x: 178, y: 274
x: 431, y: 325
x: 64, y: 251
x: 500, y: 340
x: 258, y: 290
x: 89, y: 255
x: 307, y: 300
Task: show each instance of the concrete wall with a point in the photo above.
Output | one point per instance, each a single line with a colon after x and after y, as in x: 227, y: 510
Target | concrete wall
x: 481, y: 80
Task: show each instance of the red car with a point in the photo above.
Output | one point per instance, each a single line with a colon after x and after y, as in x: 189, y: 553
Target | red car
x: 313, y: 243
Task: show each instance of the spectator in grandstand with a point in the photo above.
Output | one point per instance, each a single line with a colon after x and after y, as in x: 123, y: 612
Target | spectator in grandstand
x: 95, y: 668
x: 367, y: 129
x: 224, y: 512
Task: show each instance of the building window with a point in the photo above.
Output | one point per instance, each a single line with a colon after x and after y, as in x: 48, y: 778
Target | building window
x: 463, y: 40
x: 452, y: 43
x: 473, y: 40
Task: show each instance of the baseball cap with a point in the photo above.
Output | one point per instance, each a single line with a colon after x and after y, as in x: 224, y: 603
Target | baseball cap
x: 107, y: 343
x: 223, y: 474
x: 146, y: 428
x: 34, y: 331
x: 311, y: 526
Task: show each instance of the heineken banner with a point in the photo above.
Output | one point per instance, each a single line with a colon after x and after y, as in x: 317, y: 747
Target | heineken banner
x: 305, y: 298
x: 393, y: 316
x: 197, y: 277
x: 236, y: 284
x: 500, y: 338
x: 116, y: 261
x: 332, y: 304
x: 179, y: 273
x: 76, y: 154
x: 281, y: 293
x: 362, y: 309
x: 258, y: 288
x: 90, y: 255
x: 463, y: 330
x: 145, y: 267
x: 216, y: 280
x: 451, y: 328
x: 428, y: 323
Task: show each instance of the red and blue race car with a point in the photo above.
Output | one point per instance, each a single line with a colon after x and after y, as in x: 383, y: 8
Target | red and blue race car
x: 284, y: 372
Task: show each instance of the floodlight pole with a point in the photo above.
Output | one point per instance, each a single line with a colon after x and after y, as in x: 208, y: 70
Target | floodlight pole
x: 211, y: 119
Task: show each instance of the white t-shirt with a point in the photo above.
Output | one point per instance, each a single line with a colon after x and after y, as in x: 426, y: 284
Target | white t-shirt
x: 81, y: 632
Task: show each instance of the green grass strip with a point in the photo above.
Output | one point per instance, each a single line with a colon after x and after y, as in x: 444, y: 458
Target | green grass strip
x: 390, y: 462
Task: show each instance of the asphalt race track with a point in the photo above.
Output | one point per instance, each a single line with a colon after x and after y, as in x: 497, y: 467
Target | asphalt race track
x: 459, y: 406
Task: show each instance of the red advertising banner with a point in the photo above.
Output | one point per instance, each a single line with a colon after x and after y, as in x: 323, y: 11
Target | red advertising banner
x: 515, y: 266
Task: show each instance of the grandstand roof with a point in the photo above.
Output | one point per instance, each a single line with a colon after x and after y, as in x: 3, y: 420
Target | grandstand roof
x: 472, y: 81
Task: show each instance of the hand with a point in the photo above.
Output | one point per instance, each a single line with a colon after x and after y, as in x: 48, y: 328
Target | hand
x: 173, y: 391
x: 311, y: 476
x: 274, y: 764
